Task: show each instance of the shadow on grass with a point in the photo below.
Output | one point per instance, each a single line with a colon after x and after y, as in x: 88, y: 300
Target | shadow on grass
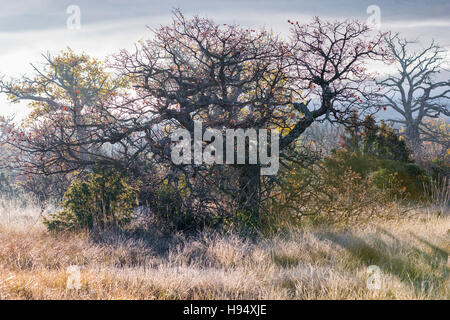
x: 410, y: 264
x: 153, y: 242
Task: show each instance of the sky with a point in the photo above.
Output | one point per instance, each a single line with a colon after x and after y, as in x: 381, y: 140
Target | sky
x: 29, y: 28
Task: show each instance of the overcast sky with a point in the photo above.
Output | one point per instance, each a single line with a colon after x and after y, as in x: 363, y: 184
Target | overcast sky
x: 31, y: 27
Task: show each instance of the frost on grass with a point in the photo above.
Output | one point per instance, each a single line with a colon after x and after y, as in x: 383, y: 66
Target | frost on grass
x: 325, y: 263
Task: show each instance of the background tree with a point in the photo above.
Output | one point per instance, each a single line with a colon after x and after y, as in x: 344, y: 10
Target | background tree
x: 414, y: 91
x: 71, y: 98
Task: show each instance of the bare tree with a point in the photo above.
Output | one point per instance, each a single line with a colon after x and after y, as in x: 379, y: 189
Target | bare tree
x: 414, y: 92
x: 231, y: 77
x: 226, y: 76
x: 71, y: 97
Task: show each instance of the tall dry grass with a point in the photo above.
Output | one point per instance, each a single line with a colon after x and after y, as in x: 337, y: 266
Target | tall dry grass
x: 319, y: 263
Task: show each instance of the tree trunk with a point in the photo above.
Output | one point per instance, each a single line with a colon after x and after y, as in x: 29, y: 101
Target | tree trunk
x: 249, y: 191
x: 413, y: 141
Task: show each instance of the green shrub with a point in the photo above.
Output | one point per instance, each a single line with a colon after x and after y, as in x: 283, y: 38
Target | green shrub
x: 102, y: 199
x: 243, y: 220
x: 173, y: 208
x: 377, y: 141
x: 440, y: 171
x: 402, y: 179
x: 167, y: 206
x: 343, y: 160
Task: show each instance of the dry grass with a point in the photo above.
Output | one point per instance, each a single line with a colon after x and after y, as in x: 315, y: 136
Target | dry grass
x: 322, y: 263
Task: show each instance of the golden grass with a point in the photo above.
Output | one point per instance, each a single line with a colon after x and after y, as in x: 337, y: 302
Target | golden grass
x: 325, y: 263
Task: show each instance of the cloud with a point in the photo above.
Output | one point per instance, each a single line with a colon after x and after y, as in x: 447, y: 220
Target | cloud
x: 29, y: 28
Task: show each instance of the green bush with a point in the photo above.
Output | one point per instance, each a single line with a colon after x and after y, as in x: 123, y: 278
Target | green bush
x: 368, y: 138
x: 173, y: 209
x: 169, y: 211
x: 377, y: 153
x: 403, y: 179
x: 343, y: 160
x: 167, y: 205
x: 102, y: 199
x: 440, y: 171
